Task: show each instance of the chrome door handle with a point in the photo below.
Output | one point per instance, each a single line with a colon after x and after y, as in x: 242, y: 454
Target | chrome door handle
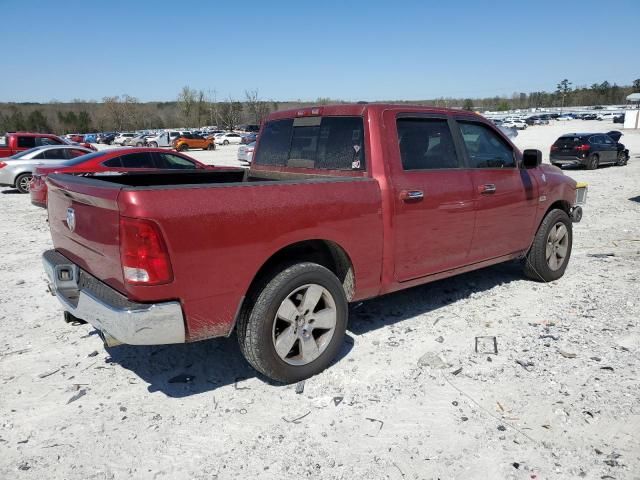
x: 411, y: 195
x: 487, y: 188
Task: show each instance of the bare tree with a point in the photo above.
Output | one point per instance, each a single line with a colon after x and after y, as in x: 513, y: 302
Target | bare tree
x: 186, y: 102
x: 258, y: 109
x: 230, y: 113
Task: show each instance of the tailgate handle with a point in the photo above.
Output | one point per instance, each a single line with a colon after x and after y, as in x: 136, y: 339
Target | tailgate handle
x: 411, y: 195
x: 487, y: 189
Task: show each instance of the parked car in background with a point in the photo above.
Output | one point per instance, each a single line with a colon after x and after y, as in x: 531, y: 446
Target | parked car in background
x: 75, y: 137
x: 228, y: 138
x: 164, y: 139
x: 137, y: 141
x: 190, y: 141
x: 589, y: 150
x: 589, y: 116
x: 16, y: 171
x: 120, y: 160
x: 606, y: 116
x: 342, y: 203
x: 15, y: 142
x: 248, y: 138
x: 107, y: 137
x: 619, y: 118
x: 245, y: 152
x: 564, y: 118
x: 518, y: 124
x: 121, y: 138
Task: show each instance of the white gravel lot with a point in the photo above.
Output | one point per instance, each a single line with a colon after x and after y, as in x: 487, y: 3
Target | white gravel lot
x: 71, y: 410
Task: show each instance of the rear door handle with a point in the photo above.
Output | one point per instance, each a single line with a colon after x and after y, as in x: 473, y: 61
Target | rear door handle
x: 487, y: 189
x: 411, y: 195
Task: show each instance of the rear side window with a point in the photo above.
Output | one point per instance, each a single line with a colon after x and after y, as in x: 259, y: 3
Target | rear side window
x: 568, y: 140
x: 485, y: 148
x: 426, y: 143
x: 48, y: 141
x: 55, y: 154
x: 331, y: 143
x: 73, y: 153
x: 26, y: 142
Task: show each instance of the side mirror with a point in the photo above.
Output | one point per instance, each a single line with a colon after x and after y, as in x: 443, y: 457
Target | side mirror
x: 531, y: 158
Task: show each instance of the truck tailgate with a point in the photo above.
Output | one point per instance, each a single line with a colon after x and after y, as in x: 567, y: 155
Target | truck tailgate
x: 84, y: 223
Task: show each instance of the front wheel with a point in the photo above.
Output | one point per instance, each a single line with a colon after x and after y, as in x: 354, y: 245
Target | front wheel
x: 183, y: 148
x: 212, y: 146
x: 226, y: 142
x: 153, y: 144
x: 293, y: 324
x: 549, y: 255
x: 23, y: 181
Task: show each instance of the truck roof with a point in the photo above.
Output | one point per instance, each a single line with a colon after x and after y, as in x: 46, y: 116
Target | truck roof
x: 361, y: 109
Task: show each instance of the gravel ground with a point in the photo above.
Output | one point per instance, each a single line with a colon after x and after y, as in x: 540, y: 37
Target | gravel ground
x: 409, y: 397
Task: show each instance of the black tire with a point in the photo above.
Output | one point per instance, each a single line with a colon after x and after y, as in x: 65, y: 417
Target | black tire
x: 621, y: 161
x: 153, y: 144
x: 225, y: 142
x: 593, y: 162
x: 257, y: 318
x: 183, y: 147
x: 557, y: 165
x: 536, y: 266
x: 22, y: 182
x: 212, y: 146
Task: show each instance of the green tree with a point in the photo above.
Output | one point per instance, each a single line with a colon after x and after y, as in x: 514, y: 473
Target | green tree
x: 468, y: 104
x: 636, y: 85
x: 563, y: 90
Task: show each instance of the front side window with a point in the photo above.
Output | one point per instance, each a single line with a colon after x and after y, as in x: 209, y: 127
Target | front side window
x: 485, y: 148
x: 425, y: 144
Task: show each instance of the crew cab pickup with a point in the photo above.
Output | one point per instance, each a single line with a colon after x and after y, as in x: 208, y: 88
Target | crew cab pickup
x: 341, y: 204
x: 15, y: 142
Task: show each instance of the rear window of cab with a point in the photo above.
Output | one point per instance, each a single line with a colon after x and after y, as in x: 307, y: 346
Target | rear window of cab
x: 329, y: 143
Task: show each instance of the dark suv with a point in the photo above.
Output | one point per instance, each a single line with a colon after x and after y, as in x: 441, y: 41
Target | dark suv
x: 589, y: 150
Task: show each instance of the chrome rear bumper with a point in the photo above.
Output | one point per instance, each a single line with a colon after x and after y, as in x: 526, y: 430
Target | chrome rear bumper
x: 89, y: 299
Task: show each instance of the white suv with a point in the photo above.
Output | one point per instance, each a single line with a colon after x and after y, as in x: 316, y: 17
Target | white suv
x: 121, y: 138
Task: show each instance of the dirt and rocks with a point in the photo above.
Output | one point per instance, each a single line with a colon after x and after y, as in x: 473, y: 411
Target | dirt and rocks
x: 486, y: 375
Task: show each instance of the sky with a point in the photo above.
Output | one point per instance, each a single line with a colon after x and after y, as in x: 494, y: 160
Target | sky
x: 288, y: 50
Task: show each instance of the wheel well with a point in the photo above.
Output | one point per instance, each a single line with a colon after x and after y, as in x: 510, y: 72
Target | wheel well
x: 323, y: 252
x: 559, y: 204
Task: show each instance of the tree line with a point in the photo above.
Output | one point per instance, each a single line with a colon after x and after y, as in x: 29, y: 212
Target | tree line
x: 195, y: 108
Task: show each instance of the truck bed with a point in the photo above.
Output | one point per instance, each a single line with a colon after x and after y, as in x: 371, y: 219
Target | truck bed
x: 219, y: 227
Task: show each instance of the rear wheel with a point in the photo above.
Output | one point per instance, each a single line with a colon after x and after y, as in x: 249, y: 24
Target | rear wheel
x: 549, y: 255
x: 225, y: 142
x: 593, y: 162
x: 23, y: 181
x: 153, y: 144
x: 293, y: 324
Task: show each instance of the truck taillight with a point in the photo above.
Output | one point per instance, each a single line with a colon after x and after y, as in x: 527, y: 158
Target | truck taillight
x: 583, y: 148
x: 144, y: 255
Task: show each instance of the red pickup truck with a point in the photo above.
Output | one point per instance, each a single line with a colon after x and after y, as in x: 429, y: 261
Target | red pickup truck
x: 342, y: 203
x: 15, y: 142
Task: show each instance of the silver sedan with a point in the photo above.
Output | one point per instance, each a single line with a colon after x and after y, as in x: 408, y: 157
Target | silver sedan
x: 16, y: 171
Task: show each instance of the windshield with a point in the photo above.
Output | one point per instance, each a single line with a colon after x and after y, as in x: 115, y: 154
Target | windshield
x: 85, y: 158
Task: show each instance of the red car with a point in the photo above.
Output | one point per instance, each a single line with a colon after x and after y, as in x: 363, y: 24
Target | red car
x: 14, y: 142
x: 342, y: 203
x: 112, y: 160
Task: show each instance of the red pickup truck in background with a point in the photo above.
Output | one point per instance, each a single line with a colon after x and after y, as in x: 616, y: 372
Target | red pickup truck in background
x: 342, y: 203
x: 15, y: 142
